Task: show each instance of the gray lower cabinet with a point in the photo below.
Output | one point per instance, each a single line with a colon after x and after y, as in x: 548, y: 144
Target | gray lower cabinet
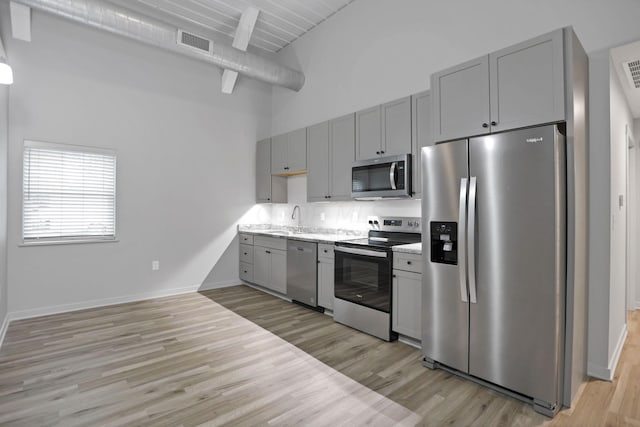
x: 421, y: 135
x: 270, y: 263
x: 384, y: 130
x: 326, y: 276
x: 269, y: 189
x: 289, y: 153
x: 519, y: 86
x: 330, y: 153
x: 246, y: 257
x: 406, y: 312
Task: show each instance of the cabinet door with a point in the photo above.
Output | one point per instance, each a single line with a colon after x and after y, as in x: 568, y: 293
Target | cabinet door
x: 279, y: 160
x: 278, y: 281
x: 318, y: 162
x: 461, y: 100
x: 369, y: 133
x: 326, y: 277
x: 263, y: 171
x: 407, y: 304
x: 421, y: 135
x: 342, y: 139
x: 297, y: 150
x: 527, y: 83
x: 396, y: 127
x: 261, y: 266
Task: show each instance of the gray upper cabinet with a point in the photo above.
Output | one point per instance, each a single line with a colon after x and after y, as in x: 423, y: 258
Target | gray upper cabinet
x: 384, y: 130
x: 331, y: 151
x: 289, y: 153
x: 519, y: 86
x: 527, y: 83
x: 318, y: 162
x: 368, y: 133
x: 342, y: 140
x: 396, y: 125
x: 461, y: 100
x: 268, y: 188
x: 421, y: 135
x: 279, y: 157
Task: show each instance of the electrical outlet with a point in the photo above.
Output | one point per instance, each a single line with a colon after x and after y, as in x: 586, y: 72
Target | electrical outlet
x: 322, y: 217
x: 155, y: 265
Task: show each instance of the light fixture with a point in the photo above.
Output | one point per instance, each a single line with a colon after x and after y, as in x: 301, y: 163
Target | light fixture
x: 6, y: 73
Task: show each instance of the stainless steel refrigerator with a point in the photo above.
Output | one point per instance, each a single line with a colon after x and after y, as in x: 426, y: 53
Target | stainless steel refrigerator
x: 494, y: 244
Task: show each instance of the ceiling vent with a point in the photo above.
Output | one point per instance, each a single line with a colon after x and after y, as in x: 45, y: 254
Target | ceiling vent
x: 194, y: 42
x: 632, y: 71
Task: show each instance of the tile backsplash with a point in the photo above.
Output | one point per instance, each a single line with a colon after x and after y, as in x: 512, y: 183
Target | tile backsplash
x: 349, y: 215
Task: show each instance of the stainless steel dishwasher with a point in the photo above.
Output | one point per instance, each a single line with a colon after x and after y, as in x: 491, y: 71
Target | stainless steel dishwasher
x: 302, y: 272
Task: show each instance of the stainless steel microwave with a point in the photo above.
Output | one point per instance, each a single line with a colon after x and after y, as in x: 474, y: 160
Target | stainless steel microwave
x: 381, y: 177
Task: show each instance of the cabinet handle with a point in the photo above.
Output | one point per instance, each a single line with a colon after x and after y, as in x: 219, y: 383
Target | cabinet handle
x: 268, y: 198
x: 408, y: 262
x: 245, y: 272
x: 325, y: 251
x: 377, y: 152
x: 268, y: 252
x: 328, y: 197
x: 394, y: 276
x: 245, y: 253
x: 382, y: 152
x: 484, y: 125
x: 494, y: 123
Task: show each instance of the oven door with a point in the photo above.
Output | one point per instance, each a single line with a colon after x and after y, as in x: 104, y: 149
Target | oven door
x: 363, y: 276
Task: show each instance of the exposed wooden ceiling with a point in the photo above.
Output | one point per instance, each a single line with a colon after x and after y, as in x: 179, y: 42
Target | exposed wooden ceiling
x: 280, y: 21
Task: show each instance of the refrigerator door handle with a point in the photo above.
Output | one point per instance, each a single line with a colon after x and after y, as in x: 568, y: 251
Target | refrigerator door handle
x: 462, y: 252
x: 471, y: 240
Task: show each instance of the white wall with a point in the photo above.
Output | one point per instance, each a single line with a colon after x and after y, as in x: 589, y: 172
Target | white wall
x: 636, y: 221
x: 4, y: 97
x: 374, y: 51
x: 621, y: 120
x: 338, y: 215
x: 185, y: 164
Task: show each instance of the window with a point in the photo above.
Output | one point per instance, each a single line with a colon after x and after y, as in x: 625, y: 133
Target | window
x: 69, y: 193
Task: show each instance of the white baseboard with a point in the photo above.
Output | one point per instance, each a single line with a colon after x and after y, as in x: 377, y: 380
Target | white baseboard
x: 64, y: 308
x: 3, y: 328
x: 638, y: 304
x: 607, y: 373
x: 219, y: 285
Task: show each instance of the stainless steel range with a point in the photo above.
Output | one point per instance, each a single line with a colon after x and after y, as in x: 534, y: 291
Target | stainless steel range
x: 363, y: 275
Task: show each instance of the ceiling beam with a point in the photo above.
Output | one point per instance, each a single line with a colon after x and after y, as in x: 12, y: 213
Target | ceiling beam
x: 240, y: 41
x: 20, y: 21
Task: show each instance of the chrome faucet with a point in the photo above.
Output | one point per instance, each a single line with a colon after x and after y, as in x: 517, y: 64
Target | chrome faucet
x: 293, y: 215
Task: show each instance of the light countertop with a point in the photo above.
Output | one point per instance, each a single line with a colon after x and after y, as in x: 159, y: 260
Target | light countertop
x: 411, y: 248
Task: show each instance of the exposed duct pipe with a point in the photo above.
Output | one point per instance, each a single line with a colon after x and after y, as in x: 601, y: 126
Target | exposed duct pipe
x: 127, y: 23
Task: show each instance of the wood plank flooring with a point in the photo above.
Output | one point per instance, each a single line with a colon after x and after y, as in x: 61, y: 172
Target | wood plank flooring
x: 237, y: 356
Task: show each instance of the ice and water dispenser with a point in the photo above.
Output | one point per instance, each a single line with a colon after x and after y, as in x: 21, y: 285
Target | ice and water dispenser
x: 444, y: 242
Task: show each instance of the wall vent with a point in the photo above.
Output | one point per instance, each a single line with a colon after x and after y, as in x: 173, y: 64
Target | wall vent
x: 632, y: 71
x: 194, y: 42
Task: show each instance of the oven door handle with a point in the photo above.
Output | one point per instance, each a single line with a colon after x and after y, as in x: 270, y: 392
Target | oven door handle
x: 365, y: 252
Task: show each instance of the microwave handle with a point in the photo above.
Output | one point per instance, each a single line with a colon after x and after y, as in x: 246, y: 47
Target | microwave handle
x: 392, y: 175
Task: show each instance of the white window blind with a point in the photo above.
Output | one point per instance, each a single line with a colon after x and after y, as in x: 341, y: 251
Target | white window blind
x: 69, y: 193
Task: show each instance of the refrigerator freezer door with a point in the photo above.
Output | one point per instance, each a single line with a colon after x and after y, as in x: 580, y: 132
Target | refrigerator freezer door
x: 516, y: 325
x: 445, y: 312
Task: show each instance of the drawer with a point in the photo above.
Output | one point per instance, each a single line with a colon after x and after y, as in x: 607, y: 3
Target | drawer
x: 246, y: 239
x: 325, y: 250
x: 407, y: 262
x: 270, y: 242
x: 246, y: 272
x: 246, y: 253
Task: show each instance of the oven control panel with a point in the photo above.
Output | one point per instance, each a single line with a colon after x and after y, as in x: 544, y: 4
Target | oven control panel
x: 401, y: 224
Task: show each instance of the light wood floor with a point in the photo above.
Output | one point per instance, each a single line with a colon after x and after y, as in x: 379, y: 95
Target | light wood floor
x: 237, y: 356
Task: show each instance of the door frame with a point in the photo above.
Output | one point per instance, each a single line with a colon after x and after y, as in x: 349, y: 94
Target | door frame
x: 630, y: 235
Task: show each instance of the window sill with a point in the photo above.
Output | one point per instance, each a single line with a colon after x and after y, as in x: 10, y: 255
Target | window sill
x: 66, y: 242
